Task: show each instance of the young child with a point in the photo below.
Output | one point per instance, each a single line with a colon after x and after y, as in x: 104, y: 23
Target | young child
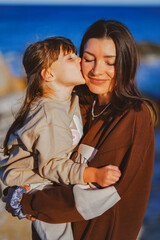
x: 48, y: 126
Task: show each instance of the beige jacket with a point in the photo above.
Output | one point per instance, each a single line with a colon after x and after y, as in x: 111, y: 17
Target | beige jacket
x: 41, y: 149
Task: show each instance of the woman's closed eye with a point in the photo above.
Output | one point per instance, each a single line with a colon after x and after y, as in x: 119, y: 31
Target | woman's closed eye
x: 88, y: 60
x: 110, y: 64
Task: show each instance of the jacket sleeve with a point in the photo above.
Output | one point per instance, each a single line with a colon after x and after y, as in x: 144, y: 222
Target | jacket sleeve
x: 19, y: 168
x: 54, y: 146
x: 52, y: 205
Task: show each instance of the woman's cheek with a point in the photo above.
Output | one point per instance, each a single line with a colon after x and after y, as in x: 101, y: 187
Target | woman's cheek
x: 83, y: 65
x: 112, y: 73
x: 84, y: 70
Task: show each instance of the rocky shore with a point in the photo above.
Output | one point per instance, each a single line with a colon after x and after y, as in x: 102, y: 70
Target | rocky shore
x: 148, y: 51
x: 11, y: 95
x: 10, y: 227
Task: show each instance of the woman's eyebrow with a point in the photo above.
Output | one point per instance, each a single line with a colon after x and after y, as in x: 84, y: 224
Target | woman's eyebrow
x: 107, y: 56
x: 89, y: 53
x: 110, y: 56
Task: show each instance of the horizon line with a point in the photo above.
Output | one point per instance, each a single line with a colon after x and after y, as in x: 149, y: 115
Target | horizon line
x: 80, y: 4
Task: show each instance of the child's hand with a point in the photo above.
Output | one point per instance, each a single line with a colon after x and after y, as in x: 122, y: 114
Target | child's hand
x: 104, y: 176
x: 107, y: 175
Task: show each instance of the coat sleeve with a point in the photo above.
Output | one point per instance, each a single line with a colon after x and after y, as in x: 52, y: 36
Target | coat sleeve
x: 52, y: 205
x: 54, y: 145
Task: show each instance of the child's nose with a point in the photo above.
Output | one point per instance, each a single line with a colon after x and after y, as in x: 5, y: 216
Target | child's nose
x: 78, y: 59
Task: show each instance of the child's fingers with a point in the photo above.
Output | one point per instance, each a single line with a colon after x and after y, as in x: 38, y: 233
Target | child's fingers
x: 114, y: 170
x: 116, y: 174
x: 113, y: 177
x: 112, y: 167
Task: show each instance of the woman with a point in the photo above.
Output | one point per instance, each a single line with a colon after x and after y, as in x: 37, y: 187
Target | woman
x: 118, y: 130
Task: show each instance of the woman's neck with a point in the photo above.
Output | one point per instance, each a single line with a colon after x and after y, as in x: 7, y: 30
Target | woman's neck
x: 104, y: 99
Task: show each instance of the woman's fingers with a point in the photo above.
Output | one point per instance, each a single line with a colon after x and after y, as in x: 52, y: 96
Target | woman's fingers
x: 30, y: 217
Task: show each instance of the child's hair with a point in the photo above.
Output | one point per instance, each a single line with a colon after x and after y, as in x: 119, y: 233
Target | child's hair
x: 38, y: 56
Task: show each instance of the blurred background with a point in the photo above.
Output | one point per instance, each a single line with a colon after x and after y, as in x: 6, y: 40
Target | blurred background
x: 22, y: 23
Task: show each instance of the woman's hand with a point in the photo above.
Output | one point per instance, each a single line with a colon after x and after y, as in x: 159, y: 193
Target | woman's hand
x: 104, y: 176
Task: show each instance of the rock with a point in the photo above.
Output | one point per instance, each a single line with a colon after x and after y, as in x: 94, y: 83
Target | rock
x: 148, y: 50
x: 9, y: 83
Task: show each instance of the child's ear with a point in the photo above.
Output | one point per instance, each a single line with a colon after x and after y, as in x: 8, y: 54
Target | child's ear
x: 47, y: 75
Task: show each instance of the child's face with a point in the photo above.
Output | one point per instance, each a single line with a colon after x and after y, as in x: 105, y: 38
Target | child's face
x: 67, y: 70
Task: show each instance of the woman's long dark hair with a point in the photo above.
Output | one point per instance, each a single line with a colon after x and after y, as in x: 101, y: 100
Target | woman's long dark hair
x: 125, y: 93
x: 38, y: 56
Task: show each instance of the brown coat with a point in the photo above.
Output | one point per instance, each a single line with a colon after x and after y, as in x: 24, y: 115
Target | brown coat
x: 127, y: 143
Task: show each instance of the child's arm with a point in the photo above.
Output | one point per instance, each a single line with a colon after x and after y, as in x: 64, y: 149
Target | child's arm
x: 61, y: 169
x: 104, y: 176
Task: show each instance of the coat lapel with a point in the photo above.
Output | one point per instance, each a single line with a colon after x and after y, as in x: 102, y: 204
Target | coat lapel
x: 98, y: 133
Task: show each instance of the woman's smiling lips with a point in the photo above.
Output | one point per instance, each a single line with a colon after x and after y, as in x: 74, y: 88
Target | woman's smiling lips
x: 97, y: 80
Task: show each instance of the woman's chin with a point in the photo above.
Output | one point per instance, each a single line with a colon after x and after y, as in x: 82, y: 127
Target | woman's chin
x: 95, y: 89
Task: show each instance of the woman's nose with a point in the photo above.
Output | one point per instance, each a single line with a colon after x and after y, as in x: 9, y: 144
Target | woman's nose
x: 97, y: 68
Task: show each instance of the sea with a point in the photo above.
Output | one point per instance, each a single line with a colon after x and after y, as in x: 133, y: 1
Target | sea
x: 21, y: 25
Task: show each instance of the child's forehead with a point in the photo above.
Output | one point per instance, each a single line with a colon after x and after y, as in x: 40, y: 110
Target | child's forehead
x: 67, y: 49
x: 66, y: 52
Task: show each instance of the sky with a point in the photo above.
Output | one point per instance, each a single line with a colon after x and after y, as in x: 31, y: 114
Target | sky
x: 85, y: 2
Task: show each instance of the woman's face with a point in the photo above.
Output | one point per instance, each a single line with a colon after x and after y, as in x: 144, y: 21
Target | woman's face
x: 98, y: 66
